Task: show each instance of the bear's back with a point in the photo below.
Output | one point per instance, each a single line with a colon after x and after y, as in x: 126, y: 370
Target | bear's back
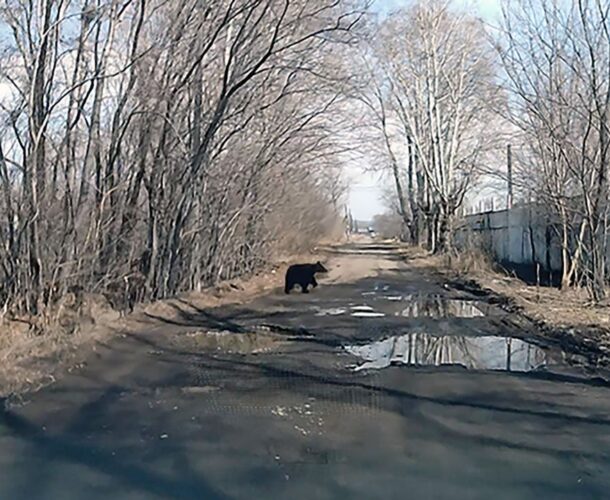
x: 301, y: 270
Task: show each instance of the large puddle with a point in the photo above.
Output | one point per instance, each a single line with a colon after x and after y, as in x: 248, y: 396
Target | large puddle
x: 478, y: 353
x: 433, y: 306
x: 408, y: 306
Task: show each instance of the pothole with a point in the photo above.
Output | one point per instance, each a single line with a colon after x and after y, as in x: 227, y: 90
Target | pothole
x: 367, y: 314
x: 364, y: 311
x: 200, y: 389
x: 332, y: 311
x: 435, y: 306
x: 478, y: 353
x: 255, y: 342
x: 361, y: 308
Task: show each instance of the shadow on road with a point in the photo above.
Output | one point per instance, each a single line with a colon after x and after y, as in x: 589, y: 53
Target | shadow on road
x: 70, y: 447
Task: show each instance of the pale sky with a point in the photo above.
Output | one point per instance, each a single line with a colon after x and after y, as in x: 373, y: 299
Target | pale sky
x: 367, y: 189
x: 487, y: 9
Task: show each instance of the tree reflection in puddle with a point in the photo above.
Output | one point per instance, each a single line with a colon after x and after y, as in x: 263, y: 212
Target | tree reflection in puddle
x: 435, y: 306
x: 478, y: 353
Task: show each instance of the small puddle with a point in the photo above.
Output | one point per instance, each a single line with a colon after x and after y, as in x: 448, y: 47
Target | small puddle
x: 477, y: 353
x: 365, y: 311
x: 367, y: 314
x: 434, y: 306
x: 236, y: 343
x: 332, y: 311
x: 361, y: 308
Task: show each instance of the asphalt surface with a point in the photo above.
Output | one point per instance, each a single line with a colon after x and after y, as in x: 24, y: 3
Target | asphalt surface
x: 389, y: 387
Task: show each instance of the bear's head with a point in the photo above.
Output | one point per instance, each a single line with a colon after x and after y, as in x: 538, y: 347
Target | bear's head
x: 320, y: 268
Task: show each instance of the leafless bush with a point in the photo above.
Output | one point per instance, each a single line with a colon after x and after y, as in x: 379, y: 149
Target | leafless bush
x: 474, y: 256
x: 389, y: 225
x: 152, y: 147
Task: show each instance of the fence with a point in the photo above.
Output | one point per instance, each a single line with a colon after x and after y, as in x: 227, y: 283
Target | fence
x: 517, y: 238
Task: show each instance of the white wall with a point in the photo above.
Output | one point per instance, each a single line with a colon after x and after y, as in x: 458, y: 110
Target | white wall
x: 515, y: 236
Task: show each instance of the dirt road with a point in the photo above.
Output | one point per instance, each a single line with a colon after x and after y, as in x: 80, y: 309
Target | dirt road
x: 379, y: 384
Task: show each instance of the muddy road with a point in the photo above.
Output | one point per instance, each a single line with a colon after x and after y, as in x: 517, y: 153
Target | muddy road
x: 383, y: 384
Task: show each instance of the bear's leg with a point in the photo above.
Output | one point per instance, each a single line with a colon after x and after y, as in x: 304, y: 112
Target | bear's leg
x: 304, y: 287
x: 287, y: 287
x: 314, y: 282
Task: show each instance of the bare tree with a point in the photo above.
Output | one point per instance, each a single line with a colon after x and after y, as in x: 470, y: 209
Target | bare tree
x: 152, y: 147
x: 432, y: 94
x: 556, y: 59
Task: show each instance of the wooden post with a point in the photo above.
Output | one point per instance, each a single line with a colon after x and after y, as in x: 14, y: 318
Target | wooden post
x: 509, y: 171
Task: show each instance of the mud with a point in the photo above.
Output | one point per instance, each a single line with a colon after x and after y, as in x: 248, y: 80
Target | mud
x: 271, y: 399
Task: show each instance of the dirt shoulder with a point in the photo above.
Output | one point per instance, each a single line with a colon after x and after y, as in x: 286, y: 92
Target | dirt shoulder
x: 31, y: 359
x: 35, y: 355
x: 34, y: 352
x: 564, y: 318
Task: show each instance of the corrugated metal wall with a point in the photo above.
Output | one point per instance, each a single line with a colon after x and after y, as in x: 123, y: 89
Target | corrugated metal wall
x: 516, y: 236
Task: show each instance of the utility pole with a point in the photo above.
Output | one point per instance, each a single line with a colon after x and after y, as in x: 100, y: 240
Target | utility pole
x: 509, y: 171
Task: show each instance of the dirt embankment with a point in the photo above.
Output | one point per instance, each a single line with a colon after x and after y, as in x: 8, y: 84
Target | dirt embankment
x: 566, y: 318
x: 36, y: 351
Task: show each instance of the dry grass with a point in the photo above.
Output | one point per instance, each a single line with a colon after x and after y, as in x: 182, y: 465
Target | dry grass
x: 554, y: 308
x: 474, y: 262
x: 36, y: 351
x: 558, y: 308
x: 236, y: 291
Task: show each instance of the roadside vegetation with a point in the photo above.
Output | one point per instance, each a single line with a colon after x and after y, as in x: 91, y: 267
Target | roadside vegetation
x: 564, y: 318
x: 445, y: 93
x: 153, y: 147
x: 150, y: 148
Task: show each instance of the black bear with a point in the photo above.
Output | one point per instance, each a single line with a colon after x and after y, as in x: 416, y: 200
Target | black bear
x: 303, y: 274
